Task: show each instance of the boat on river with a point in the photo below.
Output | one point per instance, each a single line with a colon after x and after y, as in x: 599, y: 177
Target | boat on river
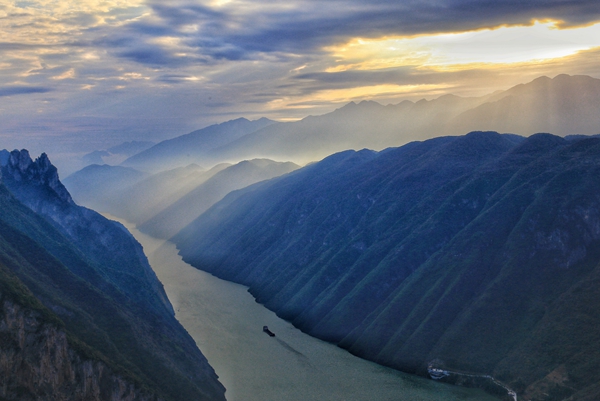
x: 269, y: 332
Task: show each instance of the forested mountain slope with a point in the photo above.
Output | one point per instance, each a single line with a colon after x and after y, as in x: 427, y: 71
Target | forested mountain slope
x: 108, y: 246
x: 80, y: 284
x: 478, y: 253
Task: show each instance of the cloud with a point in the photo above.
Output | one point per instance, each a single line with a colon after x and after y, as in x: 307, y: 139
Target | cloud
x: 402, y: 76
x: 22, y: 90
x: 187, y: 33
x: 153, y: 56
x: 176, y: 78
x: 301, y: 26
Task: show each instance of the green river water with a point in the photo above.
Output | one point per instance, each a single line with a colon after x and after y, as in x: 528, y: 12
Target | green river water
x: 227, y: 323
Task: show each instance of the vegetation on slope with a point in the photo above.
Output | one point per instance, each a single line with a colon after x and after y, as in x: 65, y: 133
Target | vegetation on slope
x: 138, y: 338
x: 464, y: 250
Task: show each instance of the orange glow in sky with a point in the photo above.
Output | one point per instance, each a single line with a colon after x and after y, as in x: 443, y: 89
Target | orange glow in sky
x: 150, y: 69
x: 518, y: 44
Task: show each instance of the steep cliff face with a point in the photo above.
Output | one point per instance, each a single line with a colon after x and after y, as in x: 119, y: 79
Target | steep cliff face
x: 90, y: 279
x: 38, y: 363
x: 115, y: 253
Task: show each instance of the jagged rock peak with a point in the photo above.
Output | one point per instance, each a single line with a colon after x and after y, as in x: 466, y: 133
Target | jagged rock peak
x: 21, y: 168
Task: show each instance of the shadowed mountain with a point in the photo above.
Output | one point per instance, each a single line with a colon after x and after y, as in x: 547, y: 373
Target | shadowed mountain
x: 4, y: 155
x: 192, y: 147
x: 477, y: 253
x: 84, y: 316
x: 563, y: 105
x: 179, y: 214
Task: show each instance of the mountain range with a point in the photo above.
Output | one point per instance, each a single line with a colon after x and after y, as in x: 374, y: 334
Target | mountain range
x: 476, y: 253
x: 563, y: 105
x: 83, y: 314
x: 96, y: 186
x: 176, y: 216
x: 138, y: 200
x: 193, y: 147
x: 161, y: 204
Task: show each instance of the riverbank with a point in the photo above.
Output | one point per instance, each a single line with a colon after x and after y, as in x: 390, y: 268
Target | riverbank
x: 227, y: 325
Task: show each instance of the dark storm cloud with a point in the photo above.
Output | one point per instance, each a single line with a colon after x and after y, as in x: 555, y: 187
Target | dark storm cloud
x: 406, y: 75
x: 153, y: 56
x: 131, y: 42
x: 151, y: 29
x: 309, y: 25
x: 20, y: 46
x: 311, y: 32
x: 22, y: 90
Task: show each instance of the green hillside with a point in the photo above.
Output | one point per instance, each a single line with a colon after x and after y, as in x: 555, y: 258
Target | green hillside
x: 478, y: 253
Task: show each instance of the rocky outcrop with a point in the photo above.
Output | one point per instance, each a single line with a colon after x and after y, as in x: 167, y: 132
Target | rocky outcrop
x: 21, y: 168
x: 38, y: 363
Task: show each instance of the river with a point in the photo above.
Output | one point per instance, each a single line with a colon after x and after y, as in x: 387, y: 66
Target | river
x: 227, y: 323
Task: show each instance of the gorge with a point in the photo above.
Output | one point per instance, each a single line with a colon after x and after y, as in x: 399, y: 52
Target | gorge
x: 226, y: 322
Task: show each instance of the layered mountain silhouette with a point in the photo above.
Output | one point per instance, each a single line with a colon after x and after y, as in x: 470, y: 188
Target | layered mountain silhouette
x: 563, y: 105
x: 98, y: 185
x: 172, y: 219
x: 477, y: 253
x: 193, y: 147
x: 163, y: 203
x: 131, y: 194
x: 84, y: 315
x: 471, y: 253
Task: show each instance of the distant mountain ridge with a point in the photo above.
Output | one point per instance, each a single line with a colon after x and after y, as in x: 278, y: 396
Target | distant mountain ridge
x: 190, y: 148
x: 563, y: 105
x: 476, y: 253
x: 96, y: 185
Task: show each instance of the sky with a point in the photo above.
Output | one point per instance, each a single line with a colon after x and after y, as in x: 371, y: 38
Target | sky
x: 77, y: 76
